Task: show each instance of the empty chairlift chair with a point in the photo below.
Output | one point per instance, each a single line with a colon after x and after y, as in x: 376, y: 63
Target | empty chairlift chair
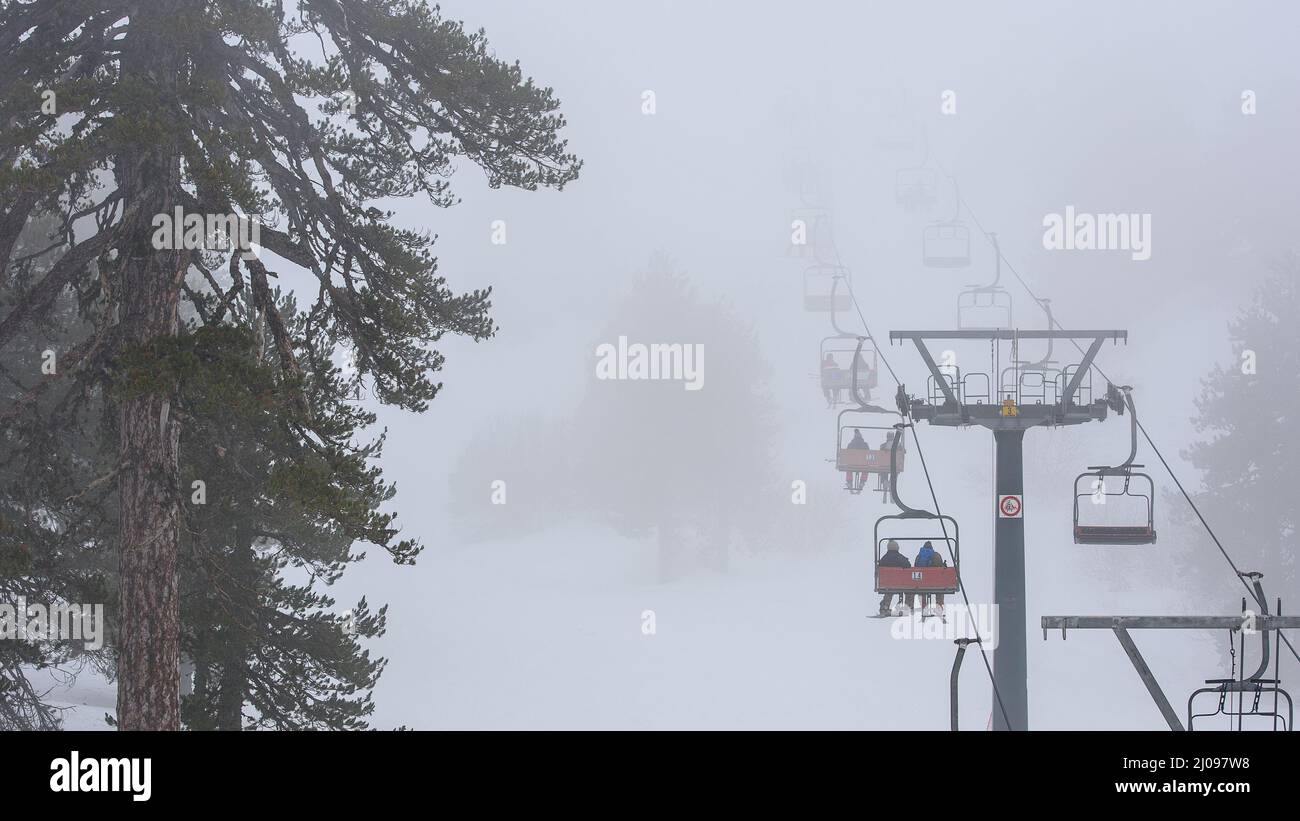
x: 945, y: 245
x: 916, y: 189
x: 1251, y: 697
x: 1101, y: 489
x: 823, y: 290
x: 985, y: 307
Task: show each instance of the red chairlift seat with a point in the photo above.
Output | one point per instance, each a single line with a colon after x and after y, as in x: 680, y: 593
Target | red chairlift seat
x: 865, y: 460
x: 930, y: 579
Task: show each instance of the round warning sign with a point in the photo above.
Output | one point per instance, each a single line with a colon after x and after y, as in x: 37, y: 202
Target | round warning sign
x: 1010, y: 506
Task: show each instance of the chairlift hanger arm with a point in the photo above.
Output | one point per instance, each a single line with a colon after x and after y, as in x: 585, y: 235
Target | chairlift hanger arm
x: 835, y: 286
x: 1128, y: 464
x: 997, y: 254
x: 908, y: 511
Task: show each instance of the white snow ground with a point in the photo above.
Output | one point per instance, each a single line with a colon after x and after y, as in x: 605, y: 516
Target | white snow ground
x: 514, y: 635
x: 545, y: 632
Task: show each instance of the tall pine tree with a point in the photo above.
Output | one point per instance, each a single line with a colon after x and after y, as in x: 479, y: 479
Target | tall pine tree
x: 118, y: 112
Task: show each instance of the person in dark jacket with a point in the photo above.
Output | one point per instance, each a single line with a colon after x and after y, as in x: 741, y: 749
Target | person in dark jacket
x: 853, y: 479
x: 892, y: 558
x: 882, y: 481
x: 830, y: 373
x: 863, y: 374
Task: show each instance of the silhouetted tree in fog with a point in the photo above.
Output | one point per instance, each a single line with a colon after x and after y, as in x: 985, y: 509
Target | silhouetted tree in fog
x: 1249, y: 462
x: 691, y: 466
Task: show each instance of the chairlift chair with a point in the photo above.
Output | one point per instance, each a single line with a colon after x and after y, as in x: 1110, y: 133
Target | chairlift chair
x: 844, y: 350
x: 805, y: 177
x: 917, y: 188
x: 985, y: 307
x: 1135, y: 485
x: 856, y: 463
x: 1034, y: 382
x: 820, y: 291
x: 1254, y: 687
x: 915, y: 527
x: 945, y: 245
x: 918, y: 580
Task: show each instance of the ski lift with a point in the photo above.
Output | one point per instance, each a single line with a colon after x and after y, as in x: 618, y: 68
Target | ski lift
x: 837, y: 371
x: 916, y: 189
x: 1036, y: 382
x: 820, y: 292
x: 857, y: 461
x: 1135, y: 487
x: 947, y: 244
x: 1256, y: 686
x: 818, y: 244
x: 805, y: 177
x: 915, y: 527
x: 985, y: 307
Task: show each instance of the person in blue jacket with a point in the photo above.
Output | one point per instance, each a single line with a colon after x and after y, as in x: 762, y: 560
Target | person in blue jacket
x: 927, y: 556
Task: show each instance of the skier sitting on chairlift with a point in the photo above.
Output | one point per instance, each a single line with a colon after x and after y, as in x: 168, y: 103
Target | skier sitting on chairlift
x: 882, y: 479
x: 829, y: 369
x: 850, y: 476
x: 892, y: 558
x: 927, y: 556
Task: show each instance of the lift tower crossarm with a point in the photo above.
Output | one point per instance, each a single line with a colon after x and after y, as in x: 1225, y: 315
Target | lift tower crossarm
x: 1008, y: 333
x: 919, y: 337
x: 1120, y: 625
x: 1261, y: 622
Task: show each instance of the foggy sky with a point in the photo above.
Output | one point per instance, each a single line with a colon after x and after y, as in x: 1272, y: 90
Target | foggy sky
x: 1109, y: 107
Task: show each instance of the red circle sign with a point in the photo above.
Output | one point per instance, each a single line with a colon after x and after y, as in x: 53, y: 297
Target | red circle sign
x: 1010, y: 506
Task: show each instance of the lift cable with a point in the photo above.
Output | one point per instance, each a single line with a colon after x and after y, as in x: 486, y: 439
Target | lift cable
x: 1241, y: 578
x: 961, y: 585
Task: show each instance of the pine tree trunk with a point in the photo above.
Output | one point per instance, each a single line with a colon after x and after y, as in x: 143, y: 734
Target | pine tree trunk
x: 148, y: 689
x: 234, y: 670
